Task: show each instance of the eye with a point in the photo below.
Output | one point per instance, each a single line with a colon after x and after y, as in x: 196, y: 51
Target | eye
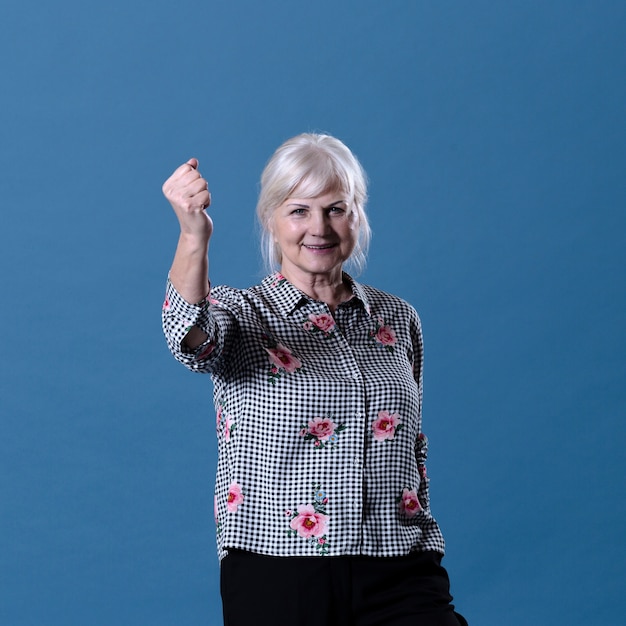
x: 298, y: 211
x: 336, y: 210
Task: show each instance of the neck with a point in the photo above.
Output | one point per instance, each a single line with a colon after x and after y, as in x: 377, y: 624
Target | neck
x: 328, y: 288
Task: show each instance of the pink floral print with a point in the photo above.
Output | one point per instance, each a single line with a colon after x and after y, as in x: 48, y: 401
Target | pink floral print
x: 279, y: 279
x: 229, y: 426
x: 321, y: 427
x: 281, y: 361
x: 322, y: 431
x: 383, y: 335
x: 281, y: 357
x: 310, y: 521
x: 386, y: 335
x: 386, y: 425
x: 323, y: 324
x: 409, y: 503
x: 235, y: 497
x: 225, y: 424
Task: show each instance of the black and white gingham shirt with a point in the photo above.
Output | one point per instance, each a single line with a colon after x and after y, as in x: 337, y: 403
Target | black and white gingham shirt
x: 321, y: 450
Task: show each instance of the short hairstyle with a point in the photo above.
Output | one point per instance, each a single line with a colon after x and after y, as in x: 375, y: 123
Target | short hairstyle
x: 308, y: 166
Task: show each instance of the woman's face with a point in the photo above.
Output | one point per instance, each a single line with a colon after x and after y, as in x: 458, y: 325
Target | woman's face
x: 315, y: 235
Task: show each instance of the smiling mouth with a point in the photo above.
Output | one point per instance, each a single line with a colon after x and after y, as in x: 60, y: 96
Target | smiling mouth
x: 324, y: 247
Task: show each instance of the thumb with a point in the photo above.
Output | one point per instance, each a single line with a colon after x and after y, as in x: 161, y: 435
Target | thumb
x: 194, y: 163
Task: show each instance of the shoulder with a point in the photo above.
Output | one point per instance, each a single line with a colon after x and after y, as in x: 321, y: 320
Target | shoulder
x: 385, y: 304
x: 396, y: 313
x: 225, y: 296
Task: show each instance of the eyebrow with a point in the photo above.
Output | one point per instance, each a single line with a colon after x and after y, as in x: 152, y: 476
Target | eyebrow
x: 307, y: 206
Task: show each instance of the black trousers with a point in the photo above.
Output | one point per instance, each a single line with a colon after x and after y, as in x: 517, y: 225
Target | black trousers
x: 411, y: 590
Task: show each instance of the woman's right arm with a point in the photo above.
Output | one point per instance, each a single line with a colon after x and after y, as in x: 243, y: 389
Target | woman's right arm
x: 188, y: 193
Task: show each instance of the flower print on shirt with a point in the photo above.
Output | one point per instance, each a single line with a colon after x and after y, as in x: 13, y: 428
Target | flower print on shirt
x: 320, y: 324
x: 229, y: 428
x: 408, y: 503
x: 319, y: 495
x: 322, y: 431
x: 310, y: 521
x: 282, y: 361
x: 386, y: 425
x: 224, y: 423
x: 279, y: 280
x: 383, y: 335
x: 235, y: 497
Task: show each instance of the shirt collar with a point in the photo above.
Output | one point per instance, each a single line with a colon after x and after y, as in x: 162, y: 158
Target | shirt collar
x: 359, y: 293
x: 289, y: 298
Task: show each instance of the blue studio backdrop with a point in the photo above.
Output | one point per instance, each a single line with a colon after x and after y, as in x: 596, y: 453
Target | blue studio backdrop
x: 493, y: 135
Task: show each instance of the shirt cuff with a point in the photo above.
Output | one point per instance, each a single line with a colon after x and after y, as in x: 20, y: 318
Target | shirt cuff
x: 191, y: 315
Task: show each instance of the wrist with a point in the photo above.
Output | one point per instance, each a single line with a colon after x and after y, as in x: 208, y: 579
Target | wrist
x: 193, y: 242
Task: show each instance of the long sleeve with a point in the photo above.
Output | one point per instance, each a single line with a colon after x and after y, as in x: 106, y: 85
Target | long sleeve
x: 178, y: 316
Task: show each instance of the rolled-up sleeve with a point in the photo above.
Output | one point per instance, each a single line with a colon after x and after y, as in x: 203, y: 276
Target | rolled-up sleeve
x: 179, y: 316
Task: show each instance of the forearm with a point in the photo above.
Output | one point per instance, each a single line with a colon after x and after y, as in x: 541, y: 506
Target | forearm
x: 190, y: 269
x: 189, y: 276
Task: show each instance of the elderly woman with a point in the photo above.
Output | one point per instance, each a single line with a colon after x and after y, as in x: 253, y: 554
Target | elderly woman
x: 321, y: 496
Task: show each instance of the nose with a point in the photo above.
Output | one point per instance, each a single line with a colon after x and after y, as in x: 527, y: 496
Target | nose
x: 319, y: 223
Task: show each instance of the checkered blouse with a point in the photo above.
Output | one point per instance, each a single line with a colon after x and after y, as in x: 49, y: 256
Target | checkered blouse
x: 321, y: 450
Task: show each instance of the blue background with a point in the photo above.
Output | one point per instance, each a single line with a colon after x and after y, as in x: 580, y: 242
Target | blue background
x: 494, y: 137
